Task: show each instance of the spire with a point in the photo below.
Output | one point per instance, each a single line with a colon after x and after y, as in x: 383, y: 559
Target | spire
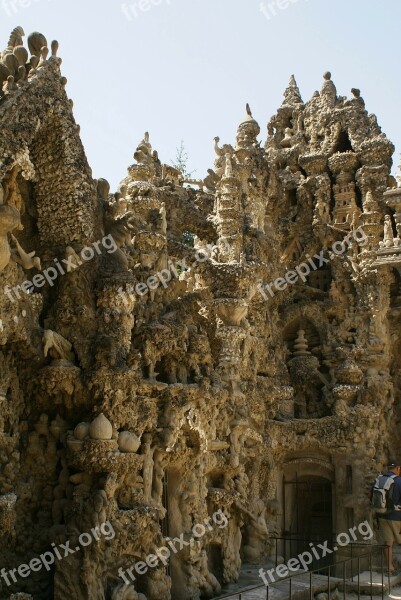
x: 329, y: 91
x: 292, y: 94
x: 248, y: 117
x: 248, y: 130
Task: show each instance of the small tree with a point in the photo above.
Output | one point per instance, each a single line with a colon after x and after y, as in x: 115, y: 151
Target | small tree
x: 181, y: 161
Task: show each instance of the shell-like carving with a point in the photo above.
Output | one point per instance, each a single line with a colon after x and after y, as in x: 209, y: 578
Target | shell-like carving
x: 128, y: 442
x: 36, y: 41
x: 81, y: 431
x: 101, y: 428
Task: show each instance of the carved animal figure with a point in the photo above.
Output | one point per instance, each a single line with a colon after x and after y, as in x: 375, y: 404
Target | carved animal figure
x: 27, y: 259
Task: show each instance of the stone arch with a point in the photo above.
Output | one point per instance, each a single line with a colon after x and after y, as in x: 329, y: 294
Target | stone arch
x: 308, y: 498
x: 310, y: 312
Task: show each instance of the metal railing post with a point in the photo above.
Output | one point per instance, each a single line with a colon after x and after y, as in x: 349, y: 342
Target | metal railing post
x: 328, y: 581
x: 344, y: 580
x: 371, y: 580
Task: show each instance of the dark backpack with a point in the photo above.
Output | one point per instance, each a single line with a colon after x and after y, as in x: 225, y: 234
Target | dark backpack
x: 382, y: 494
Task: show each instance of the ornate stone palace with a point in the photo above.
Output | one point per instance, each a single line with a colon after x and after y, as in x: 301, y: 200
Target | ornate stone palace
x: 182, y: 349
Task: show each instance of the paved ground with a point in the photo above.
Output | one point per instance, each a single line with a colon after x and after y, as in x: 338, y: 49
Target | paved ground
x: 300, y: 587
x: 280, y: 590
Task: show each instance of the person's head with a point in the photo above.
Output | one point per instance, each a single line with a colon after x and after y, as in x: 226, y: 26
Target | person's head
x: 394, y: 466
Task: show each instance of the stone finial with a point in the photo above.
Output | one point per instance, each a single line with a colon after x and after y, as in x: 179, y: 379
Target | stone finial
x: 301, y: 344
x: 81, y: 431
x: 36, y: 41
x: 10, y: 85
x: 101, y: 428
x: 128, y: 442
x: 143, y: 153
x: 11, y: 63
x: 292, y: 94
x: 21, y: 54
x: 329, y: 91
x: 43, y: 56
x: 34, y: 62
x: 21, y: 74
x: 54, y: 47
x: 248, y: 117
x: 248, y: 130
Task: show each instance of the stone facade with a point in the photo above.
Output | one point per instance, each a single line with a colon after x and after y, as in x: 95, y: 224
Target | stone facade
x: 225, y: 347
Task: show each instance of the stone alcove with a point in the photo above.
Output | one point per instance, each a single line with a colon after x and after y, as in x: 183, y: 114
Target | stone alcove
x: 306, y: 369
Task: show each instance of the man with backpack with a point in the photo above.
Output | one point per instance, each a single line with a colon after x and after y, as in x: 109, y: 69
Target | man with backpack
x: 386, y: 502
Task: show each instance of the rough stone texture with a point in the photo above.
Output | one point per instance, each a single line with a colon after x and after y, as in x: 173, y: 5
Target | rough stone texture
x: 207, y: 393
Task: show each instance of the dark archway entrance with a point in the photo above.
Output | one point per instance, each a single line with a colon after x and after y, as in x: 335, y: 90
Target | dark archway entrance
x: 311, y: 516
x: 308, y: 515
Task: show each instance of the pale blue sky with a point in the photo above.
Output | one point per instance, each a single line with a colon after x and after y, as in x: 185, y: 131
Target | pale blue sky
x: 184, y: 69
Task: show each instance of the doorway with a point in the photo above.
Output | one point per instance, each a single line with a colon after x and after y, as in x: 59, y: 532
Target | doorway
x: 308, y: 515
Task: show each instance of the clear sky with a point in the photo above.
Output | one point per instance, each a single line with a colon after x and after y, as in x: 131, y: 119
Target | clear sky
x: 184, y: 69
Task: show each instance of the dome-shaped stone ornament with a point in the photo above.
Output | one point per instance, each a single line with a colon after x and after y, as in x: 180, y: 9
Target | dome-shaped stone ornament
x: 128, y: 442
x: 101, y: 428
x: 81, y: 431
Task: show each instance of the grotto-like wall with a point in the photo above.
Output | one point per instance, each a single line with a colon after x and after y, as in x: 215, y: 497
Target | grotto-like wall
x: 194, y: 350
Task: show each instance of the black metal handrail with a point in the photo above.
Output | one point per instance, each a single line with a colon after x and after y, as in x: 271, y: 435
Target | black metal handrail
x: 241, y: 595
